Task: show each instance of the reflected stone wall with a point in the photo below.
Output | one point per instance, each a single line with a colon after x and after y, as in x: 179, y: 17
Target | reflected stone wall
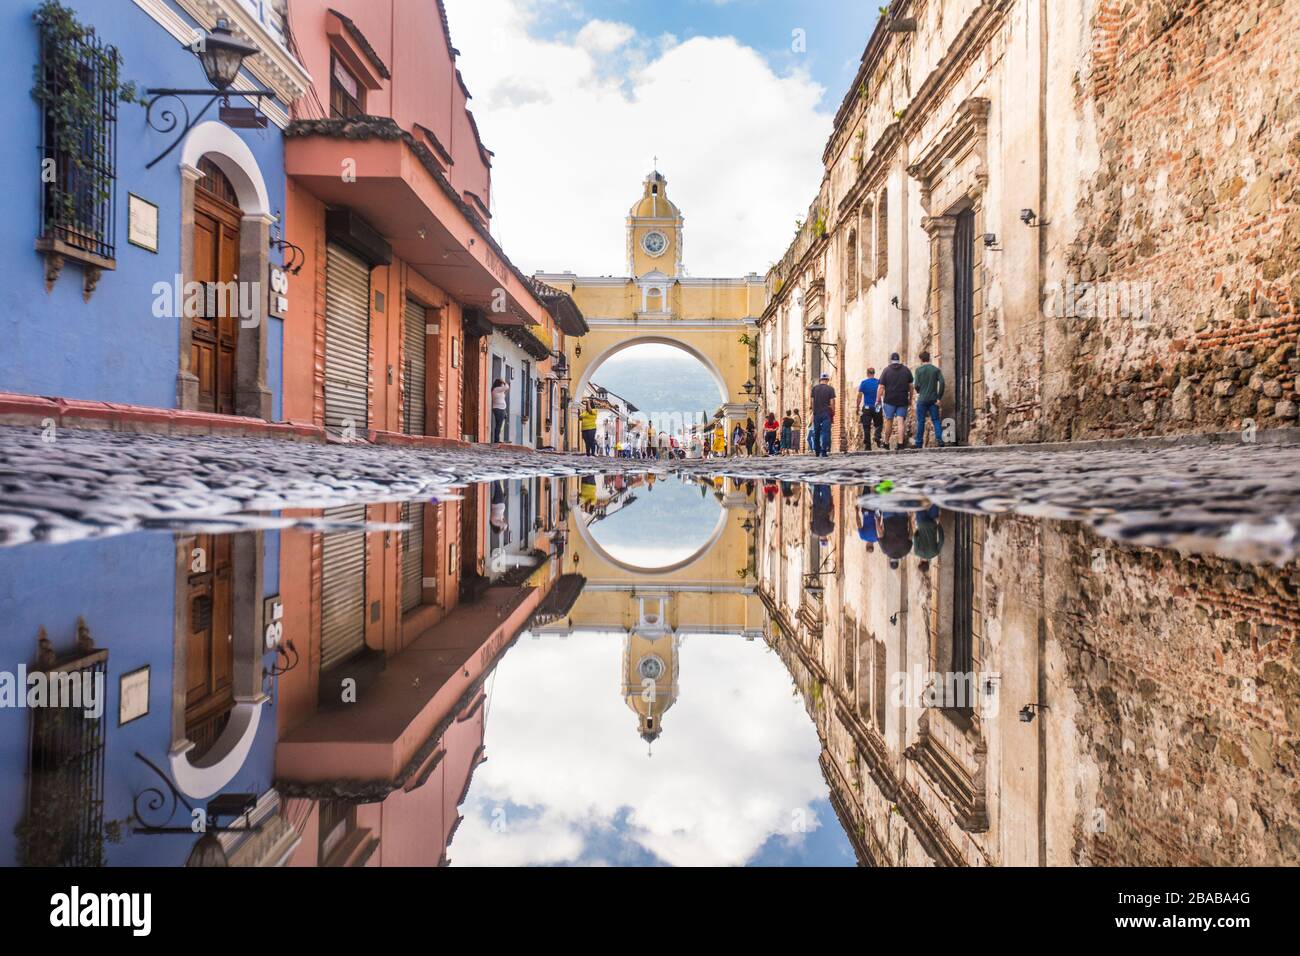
x: 1168, y: 686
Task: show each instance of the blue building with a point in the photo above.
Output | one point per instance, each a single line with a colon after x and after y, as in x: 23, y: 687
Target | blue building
x: 140, y: 266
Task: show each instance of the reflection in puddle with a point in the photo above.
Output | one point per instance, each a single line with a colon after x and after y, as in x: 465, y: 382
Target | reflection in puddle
x: 662, y: 672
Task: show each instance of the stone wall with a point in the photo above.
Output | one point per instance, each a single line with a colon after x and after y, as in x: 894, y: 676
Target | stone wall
x: 1194, y: 206
x: 1179, y: 679
x: 1170, y: 685
x: 1155, y: 290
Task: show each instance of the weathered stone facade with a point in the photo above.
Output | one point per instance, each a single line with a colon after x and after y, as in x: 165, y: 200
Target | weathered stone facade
x: 1169, y: 686
x: 1088, y: 211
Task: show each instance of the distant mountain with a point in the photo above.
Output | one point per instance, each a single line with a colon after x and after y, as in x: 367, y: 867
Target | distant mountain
x: 668, y: 384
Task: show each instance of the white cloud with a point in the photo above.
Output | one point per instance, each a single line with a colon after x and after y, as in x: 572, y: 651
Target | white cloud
x: 575, y: 124
x: 737, y: 762
x: 604, y: 36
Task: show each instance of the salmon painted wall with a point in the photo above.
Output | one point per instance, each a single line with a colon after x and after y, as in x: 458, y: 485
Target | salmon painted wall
x: 305, y: 333
x: 304, y: 326
x: 393, y: 630
x: 409, y: 38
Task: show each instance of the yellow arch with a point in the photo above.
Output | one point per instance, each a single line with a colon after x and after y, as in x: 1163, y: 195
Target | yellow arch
x: 610, y: 351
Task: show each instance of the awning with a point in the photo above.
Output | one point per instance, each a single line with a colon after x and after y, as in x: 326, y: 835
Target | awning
x: 559, y: 602
x: 398, y: 187
x: 367, y: 749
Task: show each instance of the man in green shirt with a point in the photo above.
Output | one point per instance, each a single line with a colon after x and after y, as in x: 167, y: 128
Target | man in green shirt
x: 929, y: 389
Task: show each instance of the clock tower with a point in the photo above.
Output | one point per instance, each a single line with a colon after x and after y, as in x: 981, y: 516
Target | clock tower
x: 654, y: 232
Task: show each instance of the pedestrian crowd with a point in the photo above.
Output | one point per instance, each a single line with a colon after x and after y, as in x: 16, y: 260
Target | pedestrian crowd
x: 883, y: 403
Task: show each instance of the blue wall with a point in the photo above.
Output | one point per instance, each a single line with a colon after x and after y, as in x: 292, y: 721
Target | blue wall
x: 125, y: 589
x: 111, y: 348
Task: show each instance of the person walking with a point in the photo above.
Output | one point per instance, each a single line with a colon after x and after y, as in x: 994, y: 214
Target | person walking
x: 895, y: 398
x: 894, y: 531
x: 929, y: 389
x: 869, y: 409
x: 737, y: 440
x: 823, y: 413
x: 500, y: 404
x: 927, y: 540
x: 787, y: 432
x: 751, y: 437
x: 720, y: 440
x: 587, y: 422
x: 770, y: 440
x: 796, y: 431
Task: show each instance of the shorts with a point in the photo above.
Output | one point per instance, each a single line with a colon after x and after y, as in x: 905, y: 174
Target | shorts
x: 895, y: 411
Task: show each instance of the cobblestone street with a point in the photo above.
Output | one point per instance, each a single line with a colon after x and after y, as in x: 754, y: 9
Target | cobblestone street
x: 1236, y: 500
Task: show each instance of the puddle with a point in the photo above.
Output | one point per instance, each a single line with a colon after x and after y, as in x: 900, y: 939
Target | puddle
x: 626, y: 669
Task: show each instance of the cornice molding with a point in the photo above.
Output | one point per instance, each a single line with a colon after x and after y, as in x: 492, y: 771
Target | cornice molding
x: 274, y: 67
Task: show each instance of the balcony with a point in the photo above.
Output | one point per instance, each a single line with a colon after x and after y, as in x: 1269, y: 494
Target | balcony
x: 394, y: 181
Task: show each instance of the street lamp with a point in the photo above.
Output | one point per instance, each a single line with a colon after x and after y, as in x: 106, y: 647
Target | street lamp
x: 813, y: 333
x: 222, y: 55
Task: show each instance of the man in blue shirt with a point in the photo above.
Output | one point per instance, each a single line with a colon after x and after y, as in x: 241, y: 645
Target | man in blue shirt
x: 869, y: 408
x: 867, y: 528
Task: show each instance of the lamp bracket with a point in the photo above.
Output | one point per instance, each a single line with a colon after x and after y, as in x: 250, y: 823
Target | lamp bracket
x: 167, y: 119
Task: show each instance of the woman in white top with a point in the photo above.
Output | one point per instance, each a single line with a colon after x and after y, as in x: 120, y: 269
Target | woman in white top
x: 500, y: 404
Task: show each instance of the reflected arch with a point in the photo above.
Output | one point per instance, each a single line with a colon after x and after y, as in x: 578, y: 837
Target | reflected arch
x: 581, y: 522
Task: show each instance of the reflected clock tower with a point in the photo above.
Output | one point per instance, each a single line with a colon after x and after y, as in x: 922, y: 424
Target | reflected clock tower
x: 650, y: 666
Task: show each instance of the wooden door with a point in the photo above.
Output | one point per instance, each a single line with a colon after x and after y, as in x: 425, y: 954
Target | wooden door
x: 215, y: 330
x: 210, y: 655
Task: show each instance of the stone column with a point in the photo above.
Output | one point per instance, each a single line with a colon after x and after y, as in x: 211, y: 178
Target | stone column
x: 187, y: 383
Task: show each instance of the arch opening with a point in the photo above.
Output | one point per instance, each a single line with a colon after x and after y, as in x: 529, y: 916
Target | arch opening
x: 591, y: 373
x: 632, y: 538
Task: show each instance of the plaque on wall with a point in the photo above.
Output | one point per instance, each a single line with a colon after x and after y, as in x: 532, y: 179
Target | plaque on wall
x: 133, y: 695
x: 142, y: 222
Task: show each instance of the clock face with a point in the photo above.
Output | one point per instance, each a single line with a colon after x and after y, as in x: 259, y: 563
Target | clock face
x: 651, y: 668
x: 654, y: 243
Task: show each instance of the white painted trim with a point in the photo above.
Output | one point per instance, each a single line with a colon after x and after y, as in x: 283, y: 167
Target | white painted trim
x: 236, y: 160
x: 226, y: 758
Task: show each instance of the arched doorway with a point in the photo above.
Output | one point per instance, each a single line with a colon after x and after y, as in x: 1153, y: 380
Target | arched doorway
x: 217, y: 694
x: 593, y: 367
x: 226, y: 220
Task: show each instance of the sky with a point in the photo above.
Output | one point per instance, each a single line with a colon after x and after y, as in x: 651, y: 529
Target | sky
x: 635, y: 534
x: 733, y: 780
x: 577, y: 97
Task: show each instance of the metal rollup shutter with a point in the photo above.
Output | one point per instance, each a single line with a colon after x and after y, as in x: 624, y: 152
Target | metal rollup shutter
x: 412, y: 556
x: 413, y: 396
x: 347, y: 341
x: 343, y: 588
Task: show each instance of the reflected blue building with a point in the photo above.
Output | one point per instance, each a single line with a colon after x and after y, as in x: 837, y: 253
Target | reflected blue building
x: 120, y: 215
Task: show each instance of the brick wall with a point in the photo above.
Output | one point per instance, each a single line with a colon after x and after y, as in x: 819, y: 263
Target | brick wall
x: 1197, y: 194
x: 1186, y: 674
